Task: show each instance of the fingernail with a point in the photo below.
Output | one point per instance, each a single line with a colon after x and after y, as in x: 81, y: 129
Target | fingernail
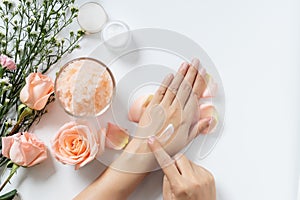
x: 207, y: 120
x: 151, y: 139
x: 211, y: 120
x: 195, y: 63
x: 202, y: 72
x: 183, y: 67
x: 169, y: 76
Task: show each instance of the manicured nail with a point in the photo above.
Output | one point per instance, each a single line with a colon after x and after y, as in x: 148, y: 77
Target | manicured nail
x: 195, y: 63
x: 207, y: 121
x: 211, y: 120
x: 151, y: 139
x: 183, y: 67
x: 169, y: 76
x: 202, y: 72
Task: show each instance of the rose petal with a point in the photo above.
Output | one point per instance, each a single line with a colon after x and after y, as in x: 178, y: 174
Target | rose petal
x: 102, y: 139
x: 138, y: 107
x: 24, y: 94
x: 209, y: 111
x: 6, y: 145
x: 40, y: 103
x: 211, y: 127
x: 211, y: 88
x: 116, y: 137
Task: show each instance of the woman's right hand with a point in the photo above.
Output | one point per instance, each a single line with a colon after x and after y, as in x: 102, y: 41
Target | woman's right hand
x: 174, y: 105
x: 183, y: 179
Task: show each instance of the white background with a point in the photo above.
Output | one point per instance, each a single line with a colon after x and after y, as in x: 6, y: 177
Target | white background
x: 255, y: 46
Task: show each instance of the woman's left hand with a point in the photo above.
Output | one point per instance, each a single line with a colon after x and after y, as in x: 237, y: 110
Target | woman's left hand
x: 183, y: 180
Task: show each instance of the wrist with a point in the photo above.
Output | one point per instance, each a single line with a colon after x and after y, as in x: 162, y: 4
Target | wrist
x: 136, y: 158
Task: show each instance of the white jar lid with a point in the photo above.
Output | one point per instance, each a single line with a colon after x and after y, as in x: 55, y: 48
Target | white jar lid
x: 91, y: 17
x: 116, y: 34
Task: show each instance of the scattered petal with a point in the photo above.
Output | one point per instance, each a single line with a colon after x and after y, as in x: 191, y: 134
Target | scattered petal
x: 116, y: 137
x: 212, y: 125
x: 209, y: 111
x: 211, y: 89
x: 138, y: 107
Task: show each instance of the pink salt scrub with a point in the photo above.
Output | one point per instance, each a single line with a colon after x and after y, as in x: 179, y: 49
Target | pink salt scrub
x: 85, y: 87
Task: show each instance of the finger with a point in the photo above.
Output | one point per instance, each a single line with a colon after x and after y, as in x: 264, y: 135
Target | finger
x: 159, y: 94
x: 182, y: 94
x: 212, y: 125
x: 187, y: 83
x: 167, y: 191
x: 191, y: 106
x: 193, y: 71
x: 173, y: 88
x: 164, y: 160
x: 200, y: 83
x: 183, y: 165
x: 198, y: 128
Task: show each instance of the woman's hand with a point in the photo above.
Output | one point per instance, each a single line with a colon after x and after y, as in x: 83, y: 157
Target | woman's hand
x: 183, y: 179
x: 175, y: 103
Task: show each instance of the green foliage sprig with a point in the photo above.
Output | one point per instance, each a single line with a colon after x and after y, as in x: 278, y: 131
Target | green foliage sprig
x: 30, y: 34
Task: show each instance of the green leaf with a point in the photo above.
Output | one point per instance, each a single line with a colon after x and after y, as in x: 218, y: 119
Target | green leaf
x: 9, y: 195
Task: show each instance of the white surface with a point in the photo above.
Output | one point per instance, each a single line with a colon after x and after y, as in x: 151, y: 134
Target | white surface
x: 255, y: 46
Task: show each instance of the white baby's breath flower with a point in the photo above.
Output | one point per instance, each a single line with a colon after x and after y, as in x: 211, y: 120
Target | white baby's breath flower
x: 34, y: 33
x: 4, y: 80
x: 5, y: 1
x: 71, y: 5
x: 11, y: 121
x: 5, y: 18
x: 8, y: 121
x: 15, y: 3
x: 73, y: 8
x: 6, y: 100
x: 32, y: 19
x: 58, y: 43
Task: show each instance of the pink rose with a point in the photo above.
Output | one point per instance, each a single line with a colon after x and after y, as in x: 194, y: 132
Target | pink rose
x: 7, y: 62
x: 77, y: 144
x: 37, y: 90
x: 24, y: 149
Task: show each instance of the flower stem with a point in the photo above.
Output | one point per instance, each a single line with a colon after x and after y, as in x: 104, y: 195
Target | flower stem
x: 12, y: 172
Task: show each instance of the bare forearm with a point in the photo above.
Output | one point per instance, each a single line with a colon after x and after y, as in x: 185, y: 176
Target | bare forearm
x: 115, y: 183
x: 112, y: 185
